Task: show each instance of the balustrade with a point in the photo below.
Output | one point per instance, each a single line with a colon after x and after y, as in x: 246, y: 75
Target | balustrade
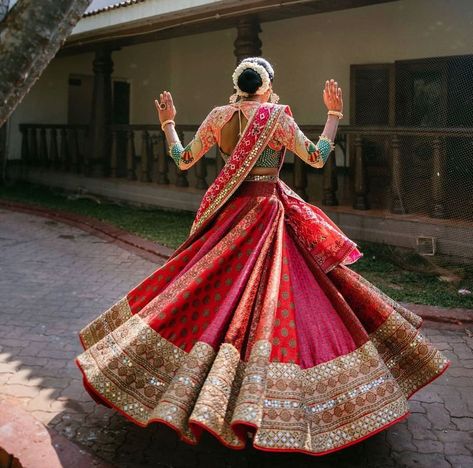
x: 61, y: 147
x: 64, y: 147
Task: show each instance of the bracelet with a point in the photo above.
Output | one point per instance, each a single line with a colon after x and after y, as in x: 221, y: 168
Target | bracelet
x: 166, y: 122
x: 337, y: 113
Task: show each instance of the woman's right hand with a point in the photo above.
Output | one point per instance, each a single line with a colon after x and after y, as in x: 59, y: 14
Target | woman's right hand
x: 165, y: 107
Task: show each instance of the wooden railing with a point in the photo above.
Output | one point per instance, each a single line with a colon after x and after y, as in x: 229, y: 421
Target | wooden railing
x: 55, y: 146
x: 139, y: 152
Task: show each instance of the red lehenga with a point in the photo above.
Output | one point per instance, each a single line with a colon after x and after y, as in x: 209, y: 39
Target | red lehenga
x: 257, y: 325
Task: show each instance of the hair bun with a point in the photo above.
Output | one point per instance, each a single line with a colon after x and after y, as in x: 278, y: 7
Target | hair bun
x: 249, y: 81
x: 252, y: 76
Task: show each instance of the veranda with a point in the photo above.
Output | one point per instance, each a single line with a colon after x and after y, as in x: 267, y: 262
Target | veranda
x: 401, y: 173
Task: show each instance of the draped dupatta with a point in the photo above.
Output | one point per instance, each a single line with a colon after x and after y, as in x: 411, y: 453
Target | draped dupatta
x: 252, y: 142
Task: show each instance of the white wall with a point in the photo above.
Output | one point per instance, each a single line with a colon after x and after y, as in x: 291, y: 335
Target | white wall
x: 308, y: 50
x: 47, y: 100
x: 305, y: 51
x: 190, y: 67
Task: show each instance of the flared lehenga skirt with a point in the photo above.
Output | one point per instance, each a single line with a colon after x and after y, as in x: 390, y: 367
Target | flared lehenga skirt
x: 242, y: 332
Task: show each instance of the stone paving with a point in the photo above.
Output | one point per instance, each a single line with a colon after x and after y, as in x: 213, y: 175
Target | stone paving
x: 54, y: 279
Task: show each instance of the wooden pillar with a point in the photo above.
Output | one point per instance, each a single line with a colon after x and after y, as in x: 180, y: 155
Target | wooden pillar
x: 361, y: 199
x: 74, y: 150
x: 53, y: 151
x: 43, y: 148
x: 163, y: 158
x: 145, y: 157
x: 33, y: 145
x: 330, y: 181
x: 300, y: 177
x: 438, y: 180
x: 99, y: 153
x: 114, y: 155
x: 25, y: 153
x: 396, y: 177
x: 247, y: 43
x: 130, y: 156
x: 3, y: 152
x: 64, y: 150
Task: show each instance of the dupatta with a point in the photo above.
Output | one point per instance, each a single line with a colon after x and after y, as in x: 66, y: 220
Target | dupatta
x: 249, y: 147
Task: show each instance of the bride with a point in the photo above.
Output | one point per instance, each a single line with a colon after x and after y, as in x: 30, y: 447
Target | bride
x: 256, y: 328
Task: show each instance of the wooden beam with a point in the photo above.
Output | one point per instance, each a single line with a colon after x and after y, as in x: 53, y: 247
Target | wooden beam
x: 214, y: 18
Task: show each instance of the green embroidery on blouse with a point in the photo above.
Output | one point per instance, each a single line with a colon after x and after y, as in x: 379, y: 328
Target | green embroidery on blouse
x: 325, y: 149
x: 269, y: 158
x: 180, y: 154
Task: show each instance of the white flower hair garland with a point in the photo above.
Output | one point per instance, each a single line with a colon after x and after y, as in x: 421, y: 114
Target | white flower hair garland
x: 262, y: 72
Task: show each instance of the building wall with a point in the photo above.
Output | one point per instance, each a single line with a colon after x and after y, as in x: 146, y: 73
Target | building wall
x: 305, y: 51
x: 47, y: 100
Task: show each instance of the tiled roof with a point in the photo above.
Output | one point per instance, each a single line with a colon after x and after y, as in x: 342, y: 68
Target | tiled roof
x: 101, y: 6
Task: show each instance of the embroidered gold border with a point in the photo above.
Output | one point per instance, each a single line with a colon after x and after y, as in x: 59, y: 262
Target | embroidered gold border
x: 314, y: 410
x: 112, y: 318
x: 407, y: 314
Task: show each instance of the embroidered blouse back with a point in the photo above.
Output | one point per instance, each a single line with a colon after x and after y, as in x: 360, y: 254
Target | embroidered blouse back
x: 286, y: 135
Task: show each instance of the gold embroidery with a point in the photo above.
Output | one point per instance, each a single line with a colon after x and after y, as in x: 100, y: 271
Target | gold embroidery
x: 216, y: 403
x: 107, y: 322
x: 407, y: 314
x: 176, y: 404
x: 249, y: 407
x: 328, y: 405
x: 131, y: 367
x: 313, y: 410
x: 407, y: 353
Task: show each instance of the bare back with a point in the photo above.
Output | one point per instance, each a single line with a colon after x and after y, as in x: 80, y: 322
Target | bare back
x: 229, y: 137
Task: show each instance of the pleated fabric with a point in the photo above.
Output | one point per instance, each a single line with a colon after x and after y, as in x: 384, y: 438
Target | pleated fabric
x: 260, y: 326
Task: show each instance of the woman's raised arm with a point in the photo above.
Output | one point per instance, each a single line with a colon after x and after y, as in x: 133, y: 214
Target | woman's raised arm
x: 292, y: 137
x: 203, y: 140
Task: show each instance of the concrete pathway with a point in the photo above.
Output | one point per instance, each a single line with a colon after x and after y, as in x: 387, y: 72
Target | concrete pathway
x: 54, y: 279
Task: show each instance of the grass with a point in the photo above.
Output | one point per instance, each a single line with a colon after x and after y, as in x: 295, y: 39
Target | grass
x: 168, y: 228
x: 406, y: 276
x: 402, y: 274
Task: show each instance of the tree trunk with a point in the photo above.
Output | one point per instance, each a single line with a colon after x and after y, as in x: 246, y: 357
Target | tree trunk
x: 30, y: 37
x: 4, y: 4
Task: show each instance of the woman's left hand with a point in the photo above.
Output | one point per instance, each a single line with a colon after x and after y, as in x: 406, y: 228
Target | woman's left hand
x: 333, y: 96
x: 165, y: 107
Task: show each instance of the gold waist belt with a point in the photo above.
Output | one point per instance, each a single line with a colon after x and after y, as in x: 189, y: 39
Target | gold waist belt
x: 261, y: 177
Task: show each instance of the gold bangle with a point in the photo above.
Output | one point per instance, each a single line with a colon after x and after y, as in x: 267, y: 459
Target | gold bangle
x: 166, y: 122
x: 337, y: 113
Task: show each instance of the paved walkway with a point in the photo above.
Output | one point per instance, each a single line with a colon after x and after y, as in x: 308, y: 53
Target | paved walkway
x: 54, y: 279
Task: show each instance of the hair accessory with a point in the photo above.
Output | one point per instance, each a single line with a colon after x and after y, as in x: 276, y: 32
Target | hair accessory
x: 233, y: 98
x: 274, y: 98
x: 166, y: 122
x: 337, y: 113
x: 262, y: 72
